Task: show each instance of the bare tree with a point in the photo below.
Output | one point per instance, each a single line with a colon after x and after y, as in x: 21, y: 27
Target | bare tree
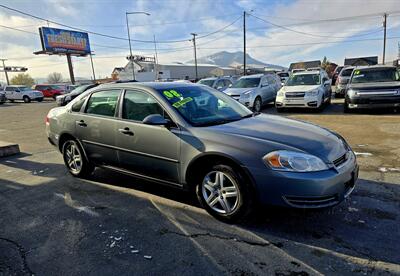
x: 54, y: 77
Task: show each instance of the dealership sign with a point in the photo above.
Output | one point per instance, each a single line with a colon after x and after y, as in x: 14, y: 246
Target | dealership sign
x: 58, y: 41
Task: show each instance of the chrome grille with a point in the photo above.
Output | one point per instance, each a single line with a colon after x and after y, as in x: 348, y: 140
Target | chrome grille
x: 295, y: 94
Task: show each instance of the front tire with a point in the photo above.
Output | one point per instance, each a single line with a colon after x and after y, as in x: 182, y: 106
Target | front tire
x: 224, y: 193
x: 257, y: 104
x: 26, y: 99
x: 75, y: 161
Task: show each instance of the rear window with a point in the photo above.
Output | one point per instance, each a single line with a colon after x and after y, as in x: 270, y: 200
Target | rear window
x: 346, y: 72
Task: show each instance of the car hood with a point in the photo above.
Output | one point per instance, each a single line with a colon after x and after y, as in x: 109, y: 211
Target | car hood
x: 375, y: 85
x: 299, y: 88
x: 288, y: 133
x: 238, y: 91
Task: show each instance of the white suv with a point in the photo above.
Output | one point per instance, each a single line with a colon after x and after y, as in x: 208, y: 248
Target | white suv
x: 255, y: 90
x: 20, y: 92
x: 309, y: 89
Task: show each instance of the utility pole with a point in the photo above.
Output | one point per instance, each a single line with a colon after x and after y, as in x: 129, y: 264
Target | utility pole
x: 244, y: 43
x: 384, y: 37
x: 5, y: 71
x: 155, y: 57
x: 129, y: 39
x: 130, y: 47
x: 195, y: 54
x: 91, y: 61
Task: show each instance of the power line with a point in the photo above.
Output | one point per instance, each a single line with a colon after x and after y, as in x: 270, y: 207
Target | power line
x: 101, y: 34
x: 302, y: 44
x: 296, y: 31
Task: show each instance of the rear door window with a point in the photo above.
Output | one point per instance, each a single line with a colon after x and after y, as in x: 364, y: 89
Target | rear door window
x: 346, y: 72
x: 103, y: 103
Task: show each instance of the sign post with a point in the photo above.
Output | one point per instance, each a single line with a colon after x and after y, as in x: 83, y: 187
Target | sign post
x: 64, y: 42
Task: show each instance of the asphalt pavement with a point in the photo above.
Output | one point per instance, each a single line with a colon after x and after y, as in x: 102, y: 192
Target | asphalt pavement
x: 54, y: 224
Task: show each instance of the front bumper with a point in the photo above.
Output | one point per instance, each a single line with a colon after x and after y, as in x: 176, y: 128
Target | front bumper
x: 340, y: 89
x: 374, y: 102
x: 306, y: 190
x: 305, y: 102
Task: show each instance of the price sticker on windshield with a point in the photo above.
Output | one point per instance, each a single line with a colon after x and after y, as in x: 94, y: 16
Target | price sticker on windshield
x: 356, y: 72
x: 182, y: 102
x: 171, y: 94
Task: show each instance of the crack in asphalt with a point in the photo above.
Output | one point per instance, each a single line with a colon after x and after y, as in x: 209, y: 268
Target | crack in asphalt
x: 196, y: 235
x: 22, y: 252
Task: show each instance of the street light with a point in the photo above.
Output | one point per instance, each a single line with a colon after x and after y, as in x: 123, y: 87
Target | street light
x: 129, y: 39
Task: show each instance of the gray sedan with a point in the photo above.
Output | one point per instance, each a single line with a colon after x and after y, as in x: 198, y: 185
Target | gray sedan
x: 196, y: 138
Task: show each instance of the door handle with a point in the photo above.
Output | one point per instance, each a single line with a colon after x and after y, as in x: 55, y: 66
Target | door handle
x: 81, y: 123
x: 126, y: 131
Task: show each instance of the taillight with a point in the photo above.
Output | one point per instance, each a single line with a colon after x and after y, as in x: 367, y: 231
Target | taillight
x: 47, y: 121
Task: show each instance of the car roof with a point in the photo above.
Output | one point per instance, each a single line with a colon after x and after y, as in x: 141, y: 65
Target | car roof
x: 17, y: 85
x: 210, y: 78
x: 308, y: 73
x: 375, y: 67
x: 153, y: 85
x: 252, y: 76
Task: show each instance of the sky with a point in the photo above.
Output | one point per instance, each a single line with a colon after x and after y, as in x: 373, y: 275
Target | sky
x: 278, y: 32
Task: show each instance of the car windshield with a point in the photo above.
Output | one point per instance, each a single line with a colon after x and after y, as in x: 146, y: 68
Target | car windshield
x: 346, y: 72
x: 304, y: 79
x: 23, y: 88
x: 247, y: 83
x: 283, y: 75
x: 202, y: 106
x: 375, y: 75
x: 207, y: 82
x: 58, y: 87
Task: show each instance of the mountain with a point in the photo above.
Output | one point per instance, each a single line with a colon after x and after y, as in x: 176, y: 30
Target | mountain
x: 225, y: 59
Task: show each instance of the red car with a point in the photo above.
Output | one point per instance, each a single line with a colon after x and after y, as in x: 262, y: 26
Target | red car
x: 49, y: 90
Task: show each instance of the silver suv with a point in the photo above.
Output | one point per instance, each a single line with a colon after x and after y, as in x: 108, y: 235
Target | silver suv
x: 255, y: 90
x: 219, y: 83
x: 193, y: 137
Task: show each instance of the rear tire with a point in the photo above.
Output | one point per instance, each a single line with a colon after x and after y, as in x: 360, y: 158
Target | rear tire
x: 26, y: 99
x: 224, y: 193
x: 75, y: 160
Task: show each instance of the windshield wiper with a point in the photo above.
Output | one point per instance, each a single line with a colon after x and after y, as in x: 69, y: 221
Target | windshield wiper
x: 218, y: 122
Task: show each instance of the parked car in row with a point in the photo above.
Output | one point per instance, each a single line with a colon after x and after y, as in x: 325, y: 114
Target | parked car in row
x: 21, y: 92
x: 3, y: 97
x: 307, y: 89
x: 49, y: 90
x: 66, y: 98
x: 219, y: 83
x: 198, y: 139
x: 336, y: 74
x: 342, y: 80
x: 375, y: 86
x: 254, y: 91
x: 284, y: 76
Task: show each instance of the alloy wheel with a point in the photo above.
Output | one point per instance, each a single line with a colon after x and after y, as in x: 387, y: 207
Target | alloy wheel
x: 73, y: 157
x: 220, y: 192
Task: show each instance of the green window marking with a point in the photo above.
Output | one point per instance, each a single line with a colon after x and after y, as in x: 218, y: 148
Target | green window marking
x: 182, y: 102
x: 171, y: 93
x: 356, y: 72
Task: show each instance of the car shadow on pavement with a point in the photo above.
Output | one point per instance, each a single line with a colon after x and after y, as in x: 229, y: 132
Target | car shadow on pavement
x: 365, y: 228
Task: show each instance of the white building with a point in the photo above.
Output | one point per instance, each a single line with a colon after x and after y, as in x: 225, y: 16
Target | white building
x: 148, y: 71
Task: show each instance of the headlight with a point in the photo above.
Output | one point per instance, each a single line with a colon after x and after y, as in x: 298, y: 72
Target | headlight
x: 67, y: 98
x: 280, y: 93
x: 247, y: 94
x: 283, y: 160
x: 312, y: 92
x: 351, y: 92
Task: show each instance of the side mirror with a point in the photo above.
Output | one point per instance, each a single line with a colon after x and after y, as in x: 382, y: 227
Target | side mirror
x: 230, y: 85
x: 155, y: 120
